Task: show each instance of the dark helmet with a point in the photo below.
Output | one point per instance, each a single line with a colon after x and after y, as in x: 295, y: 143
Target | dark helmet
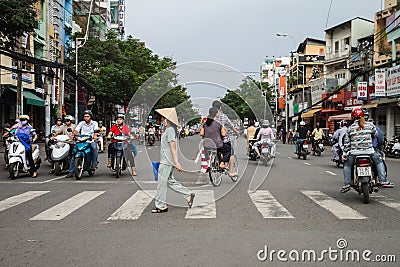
x: 366, y: 113
x: 88, y: 112
x: 357, y: 113
x: 59, y: 119
x: 120, y: 116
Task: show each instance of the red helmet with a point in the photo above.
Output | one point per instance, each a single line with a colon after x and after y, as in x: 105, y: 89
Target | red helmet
x: 357, y: 113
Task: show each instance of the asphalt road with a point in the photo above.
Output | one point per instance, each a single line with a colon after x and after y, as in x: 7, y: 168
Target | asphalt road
x: 294, y: 206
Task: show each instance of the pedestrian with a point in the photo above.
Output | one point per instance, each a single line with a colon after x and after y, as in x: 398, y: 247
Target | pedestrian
x: 169, y: 161
x: 283, y: 135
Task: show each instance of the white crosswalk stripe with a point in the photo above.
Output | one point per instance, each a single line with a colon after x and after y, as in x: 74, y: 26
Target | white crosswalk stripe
x: 268, y: 206
x: 388, y: 202
x: 133, y: 208
x: 68, y: 206
x: 335, y: 207
x: 203, y: 205
x: 18, y: 199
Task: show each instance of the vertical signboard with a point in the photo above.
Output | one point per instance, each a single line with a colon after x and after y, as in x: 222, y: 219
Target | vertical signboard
x: 362, y: 91
x: 393, y: 81
x: 380, y: 86
x: 121, y: 15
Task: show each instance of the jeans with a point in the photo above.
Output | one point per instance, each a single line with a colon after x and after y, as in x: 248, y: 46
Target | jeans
x: 298, y: 143
x: 350, y: 161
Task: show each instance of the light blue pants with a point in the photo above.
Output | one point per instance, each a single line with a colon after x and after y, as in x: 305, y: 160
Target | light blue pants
x: 350, y: 161
x: 165, y: 180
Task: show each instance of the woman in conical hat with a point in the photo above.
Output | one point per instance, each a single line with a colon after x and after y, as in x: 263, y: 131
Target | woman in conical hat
x: 169, y: 161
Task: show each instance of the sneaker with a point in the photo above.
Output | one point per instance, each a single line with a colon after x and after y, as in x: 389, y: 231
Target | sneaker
x: 69, y: 175
x: 94, y: 166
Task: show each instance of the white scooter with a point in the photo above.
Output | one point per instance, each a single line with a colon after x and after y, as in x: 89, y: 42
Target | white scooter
x: 17, y: 157
x: 60, y: 153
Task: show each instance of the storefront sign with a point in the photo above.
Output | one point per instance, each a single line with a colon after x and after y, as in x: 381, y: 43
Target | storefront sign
x: 393, y: 81
x: 351, y: 100
x: 121, y: 15
x: 362, y: 91
x: 321, y: 86
x: 380, y: 86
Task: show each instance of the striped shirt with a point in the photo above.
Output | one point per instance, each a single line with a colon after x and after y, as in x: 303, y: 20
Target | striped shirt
x: 359, y: 142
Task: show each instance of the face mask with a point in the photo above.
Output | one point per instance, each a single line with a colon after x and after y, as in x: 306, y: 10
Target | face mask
x: 24, y: 122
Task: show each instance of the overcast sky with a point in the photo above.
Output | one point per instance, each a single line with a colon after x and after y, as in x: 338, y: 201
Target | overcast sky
x: 238, y: 33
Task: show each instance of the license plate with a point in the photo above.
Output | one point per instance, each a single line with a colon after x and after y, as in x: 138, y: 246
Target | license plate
x: 364, y: 171
x: 264, y: 150
x: 321, y: 145
x: 305, y: 146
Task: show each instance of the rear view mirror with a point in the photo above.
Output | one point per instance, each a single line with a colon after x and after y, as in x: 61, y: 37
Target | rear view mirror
x: 32, y: 130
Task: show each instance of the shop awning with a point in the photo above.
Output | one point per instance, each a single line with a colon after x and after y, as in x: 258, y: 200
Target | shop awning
x: 370, y: 105
x: 310, y: 113
x: 345, y: 116
x: 31, y: 98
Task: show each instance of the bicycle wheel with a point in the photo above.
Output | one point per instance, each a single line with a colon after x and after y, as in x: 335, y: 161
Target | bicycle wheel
x: 214, y: 171
x: 235, y: 170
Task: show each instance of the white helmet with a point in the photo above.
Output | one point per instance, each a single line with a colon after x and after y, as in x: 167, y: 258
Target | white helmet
x: 302, y: 123
x: 256, y: 124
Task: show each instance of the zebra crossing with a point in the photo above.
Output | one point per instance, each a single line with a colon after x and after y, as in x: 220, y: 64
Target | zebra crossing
x: 205, y: 206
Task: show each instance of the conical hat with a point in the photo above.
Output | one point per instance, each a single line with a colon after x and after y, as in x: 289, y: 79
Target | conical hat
x: 170, y: 114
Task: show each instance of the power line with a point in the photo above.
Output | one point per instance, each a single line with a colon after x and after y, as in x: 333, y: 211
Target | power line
x: 329, y: 11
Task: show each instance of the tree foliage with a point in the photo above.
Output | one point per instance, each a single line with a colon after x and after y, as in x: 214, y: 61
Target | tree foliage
x: 16, y: 18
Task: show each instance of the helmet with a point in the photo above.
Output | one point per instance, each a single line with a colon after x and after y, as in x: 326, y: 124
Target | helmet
x: 256, y: 124
x: 100, y: 122
x: 357, y: 113
x: 68, y: 118
x: 343, y: 123
x: 121, y: 116
x: 302, y: 123
x: 88, y: 112
x: 24, y: 117
x: 366, y: 113
x: 58, y: 119
x: 265, y: 123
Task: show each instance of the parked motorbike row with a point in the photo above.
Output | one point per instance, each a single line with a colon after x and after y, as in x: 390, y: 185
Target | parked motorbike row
x: 63, y: 149
x: 392, y: 148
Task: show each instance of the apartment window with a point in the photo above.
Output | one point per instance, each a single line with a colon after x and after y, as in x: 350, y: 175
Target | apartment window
x: 336, y: 46
x: 346, y: 43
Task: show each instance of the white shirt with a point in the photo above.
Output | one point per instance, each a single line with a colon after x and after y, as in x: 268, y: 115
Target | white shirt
x: 87, y: 129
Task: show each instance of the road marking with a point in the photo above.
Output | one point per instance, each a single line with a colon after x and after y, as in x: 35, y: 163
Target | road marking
x: 18, y: 199
x: 134, y: 206
x: 307, y: 163
x: 268, y: 206
x: 203, y: 206
x: 54, y: 179
x: 289, y: 157
x: 278, y: 153
x: 331, y: 173
x: 388, y: 202
x: 66, y: 207
x: 335, y: 207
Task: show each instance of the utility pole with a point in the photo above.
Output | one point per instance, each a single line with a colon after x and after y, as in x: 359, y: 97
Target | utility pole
x: 20, y: 100
x: 61, y: 87
x: 47, y: 86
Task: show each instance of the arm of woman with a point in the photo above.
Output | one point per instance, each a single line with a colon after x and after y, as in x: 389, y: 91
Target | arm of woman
x: 172, y: 146
x: 202, y: 132
x: 223, y: 131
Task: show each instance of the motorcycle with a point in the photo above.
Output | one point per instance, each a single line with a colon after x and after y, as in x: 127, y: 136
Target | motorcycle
x: 266, y: 152
x: 250, y: 151
x: 17, y: 157
x: 118, y: 162
x: 318, y: 147
x: 363, y: 177
x: 7, y: 141
x: 141, y: 138
x: 60, y: 153
x: 83, y: 156
x: 392, y: 148
x: 303, y: 150
x: 339, y: 161
x: 151, y: 139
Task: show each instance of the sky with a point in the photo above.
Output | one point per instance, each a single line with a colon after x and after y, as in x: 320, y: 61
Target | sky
x: 237, y: 33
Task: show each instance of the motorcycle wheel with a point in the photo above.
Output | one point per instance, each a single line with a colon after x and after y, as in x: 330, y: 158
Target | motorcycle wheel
x: 304, y: 156
x: 318, y: 152
x: 337, y: 164
x: 13, y: 170
x: 78, y: 167
x: 91, y: 172
x: 365, y: 192
x: 118, y: 167
x: 58, y: 166
x: 298, y: 155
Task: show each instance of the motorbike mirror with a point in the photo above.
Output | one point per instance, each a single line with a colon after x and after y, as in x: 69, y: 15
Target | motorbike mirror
x: 69, y: 130
x: 32, y: 130
x: 7, y: 129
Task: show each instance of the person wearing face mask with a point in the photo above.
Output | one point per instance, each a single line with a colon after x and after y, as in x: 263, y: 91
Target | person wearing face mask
x: 27, y: 137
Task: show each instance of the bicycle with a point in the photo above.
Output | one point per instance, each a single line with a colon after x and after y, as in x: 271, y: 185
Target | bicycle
x: 215, y: 172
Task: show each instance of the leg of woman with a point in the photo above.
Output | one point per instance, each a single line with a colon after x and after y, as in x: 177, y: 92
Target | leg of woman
x: 32, y: 168
x: 178, y: 187
x: 164, y: 172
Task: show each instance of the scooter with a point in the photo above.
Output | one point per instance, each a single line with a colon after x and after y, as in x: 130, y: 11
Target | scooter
x: 83, y: 156
x: 266, y: 152
x: 7, y: 133
x: 118, y: 162
x: 141, y: 138
x: 363, y: 177
x: 17, y: 157
x: 303, y: 152
x: 250, y: 151
x: 60, y: 153
x: 340, y: 160
x: 318, y: 147
x: 151, y: 139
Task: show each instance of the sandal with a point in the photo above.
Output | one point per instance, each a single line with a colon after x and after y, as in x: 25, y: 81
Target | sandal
x: 190, y: 202
x: 345, y: 188
x: 233, y: 174
x: 157, y: 210
x: 34, y: 175
x: 388, y: 184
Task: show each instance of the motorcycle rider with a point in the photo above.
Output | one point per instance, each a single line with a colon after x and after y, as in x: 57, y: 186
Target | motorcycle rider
x: 24, y: 135
x: 358, y: 141
x: 142, y: 132
x: 117, y: 129
x: 87, y: 127
x: 338, y: 136
x: 151, y: 132
x: 53, y: 132
x: 303, y: 133
x: 265, y: 135
x: 103, y: 134
x: 317, y: 135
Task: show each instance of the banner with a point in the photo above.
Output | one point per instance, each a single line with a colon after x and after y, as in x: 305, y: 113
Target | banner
x: 380, y: 86
x: 362, y: 91
x: 393, y: 81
